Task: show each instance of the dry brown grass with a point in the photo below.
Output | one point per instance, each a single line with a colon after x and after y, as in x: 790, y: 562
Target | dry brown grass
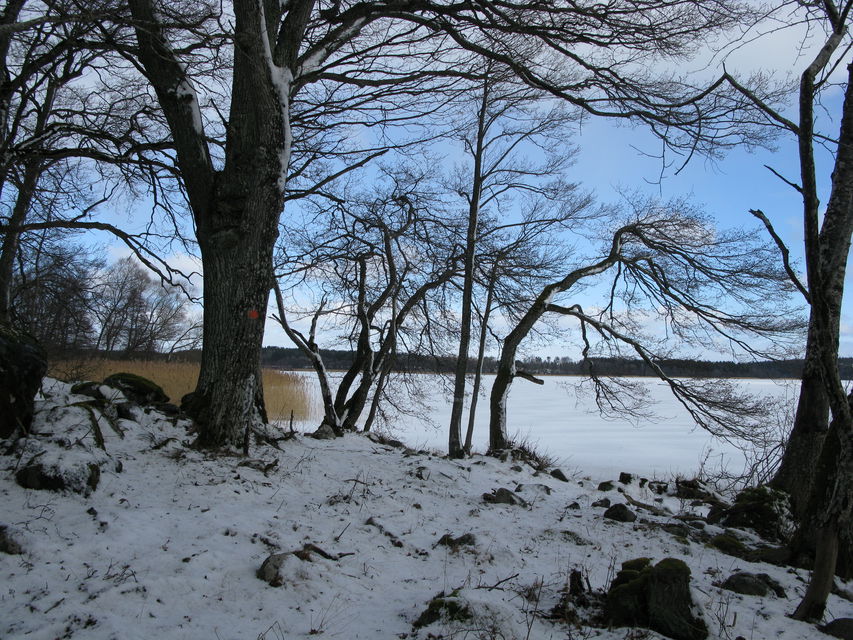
x: 283, y: 392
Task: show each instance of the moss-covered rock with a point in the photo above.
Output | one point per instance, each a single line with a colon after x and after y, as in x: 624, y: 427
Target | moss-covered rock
x: 441, y: 607
x: 655, y: 597
x: 137, y: 388
x: 728, y: 544
x: 762, y: 509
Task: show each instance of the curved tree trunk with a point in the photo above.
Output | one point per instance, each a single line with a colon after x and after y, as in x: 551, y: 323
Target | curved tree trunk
x: 506, y: 372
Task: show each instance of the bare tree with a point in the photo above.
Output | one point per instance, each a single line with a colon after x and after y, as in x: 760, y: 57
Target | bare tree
x: 510, y: 123
x: 279, y: 51
x: 817, y: 466
x: 135, y: 314
x: 376, y: 261
x: 666, y: 262
x: 51, y: 294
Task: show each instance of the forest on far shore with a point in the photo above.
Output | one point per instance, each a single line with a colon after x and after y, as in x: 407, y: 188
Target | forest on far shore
x: 291, y: 358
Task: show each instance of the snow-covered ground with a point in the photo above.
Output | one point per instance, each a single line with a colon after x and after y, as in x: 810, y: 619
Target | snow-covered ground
x: 168, y: 547
x: 561, y: 418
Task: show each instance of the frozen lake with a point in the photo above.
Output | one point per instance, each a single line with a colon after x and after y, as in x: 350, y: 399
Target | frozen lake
x: 562, y: 420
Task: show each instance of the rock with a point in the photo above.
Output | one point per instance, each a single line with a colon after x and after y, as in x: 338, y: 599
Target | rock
x: 78, y: 477
x: 540, y: 489
x: 621, y: 513
x: 839, y: 628
x: 658, y: 487
x: 270, y: 570
x: 574, y: 506
x: 324, y: 432
x: 443, y: 608
x: 22, y: 366
x: 137, y: 388
x: 762, y: 509
x: 693, y: 490
x: 604, y: 502
x: 90, y: 389
x: 127, y: 411
x: 559, y: 475
x: 626, y: 478
x: 503, y: 496
x: 728, y: 544
x: 605, y: 486
x: 751, y: 584
x: 167, y: 409
x: 10, y: 541
x: 447, y: 540
x: 655, y: 597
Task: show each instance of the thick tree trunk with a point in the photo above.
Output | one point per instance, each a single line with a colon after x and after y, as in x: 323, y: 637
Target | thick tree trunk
x: 811, y: 422
x: 229, y: 395
x: 236, y: 210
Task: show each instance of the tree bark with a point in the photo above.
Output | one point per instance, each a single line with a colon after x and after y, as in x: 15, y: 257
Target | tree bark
x: 236, y: 210
x: 811, y: 422
x: 830, y: 509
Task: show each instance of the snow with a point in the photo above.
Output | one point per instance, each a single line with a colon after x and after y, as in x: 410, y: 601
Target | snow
x: 561, y: 418
x: 169, y: 546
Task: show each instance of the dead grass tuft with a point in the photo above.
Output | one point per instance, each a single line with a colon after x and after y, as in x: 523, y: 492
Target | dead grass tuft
x: 283, y: 392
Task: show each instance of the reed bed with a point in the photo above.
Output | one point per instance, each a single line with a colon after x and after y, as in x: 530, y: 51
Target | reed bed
x: 283, y: 392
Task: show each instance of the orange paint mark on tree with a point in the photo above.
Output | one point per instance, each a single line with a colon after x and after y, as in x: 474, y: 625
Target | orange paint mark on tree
x: 253, y: 314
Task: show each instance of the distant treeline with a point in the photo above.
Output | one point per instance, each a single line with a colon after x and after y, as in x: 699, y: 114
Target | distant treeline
x: 291, y: 358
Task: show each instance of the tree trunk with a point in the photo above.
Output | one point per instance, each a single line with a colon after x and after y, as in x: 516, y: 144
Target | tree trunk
x: 229, y: 395
x: 455, y: 449
x: 811, y: 422
x: 481, y: 352
x: 506, y: 372
x: 24, y: 199
x: 236, y: 210
x: 828, y: 512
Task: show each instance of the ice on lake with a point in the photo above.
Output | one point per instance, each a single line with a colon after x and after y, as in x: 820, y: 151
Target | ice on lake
x: 562, y: 420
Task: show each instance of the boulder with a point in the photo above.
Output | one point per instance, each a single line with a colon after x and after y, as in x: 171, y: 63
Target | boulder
x: 559, y: 475
x: 80, y: 477
x: 752, y: 584
x: 839, y: 628
x: 762, y: 509
x: 270, y: 570
x: 655, y: 597
x: 22, y: 366
x: 137, y: 388
x: 10, y: 540
x: 91, y: 389
x: 626, y: 478
x: 621, y: 513
x: 604, y: 502
x: 605, y: 486
x: 324, y: 432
